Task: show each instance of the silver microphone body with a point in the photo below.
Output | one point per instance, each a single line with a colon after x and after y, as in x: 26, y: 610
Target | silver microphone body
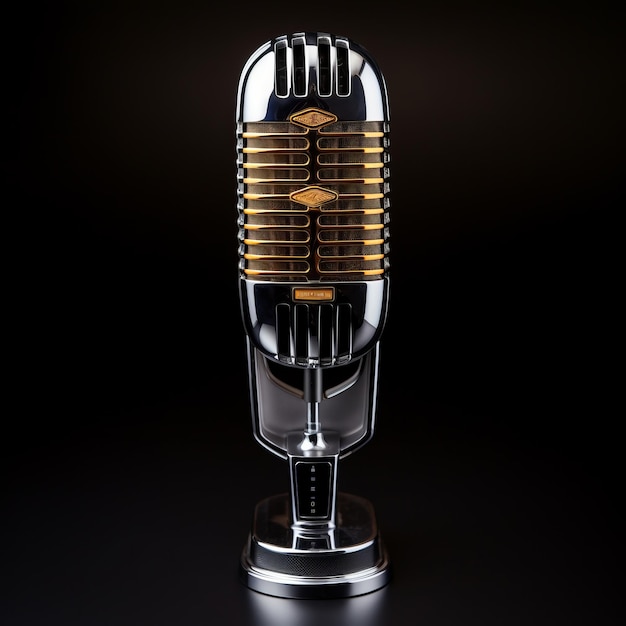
x: 313, y: 215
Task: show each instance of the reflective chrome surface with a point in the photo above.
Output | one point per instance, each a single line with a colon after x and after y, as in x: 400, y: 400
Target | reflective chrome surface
x: 294, y: 68
x: 313, y: 215
x: 364, y: 610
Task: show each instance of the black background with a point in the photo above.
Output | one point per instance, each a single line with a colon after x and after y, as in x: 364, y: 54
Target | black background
x: 131, y: 471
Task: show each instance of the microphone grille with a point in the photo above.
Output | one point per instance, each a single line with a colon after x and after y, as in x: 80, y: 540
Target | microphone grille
x: 314, y: 202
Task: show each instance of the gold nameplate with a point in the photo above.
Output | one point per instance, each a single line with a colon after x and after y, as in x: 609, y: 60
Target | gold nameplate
x: 325, y: 293
x: 312, y: 118
x: 313, y: 196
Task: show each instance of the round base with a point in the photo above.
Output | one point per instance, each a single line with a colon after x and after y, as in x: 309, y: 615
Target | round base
x: 349, y: 560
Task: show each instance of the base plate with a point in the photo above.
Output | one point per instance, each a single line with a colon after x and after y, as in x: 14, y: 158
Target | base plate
x: 348, y: 560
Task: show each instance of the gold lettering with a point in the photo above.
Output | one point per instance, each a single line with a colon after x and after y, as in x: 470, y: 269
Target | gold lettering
x: 319, y: 294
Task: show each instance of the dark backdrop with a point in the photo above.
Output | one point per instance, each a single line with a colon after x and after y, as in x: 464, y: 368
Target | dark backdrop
x: 131, y: 471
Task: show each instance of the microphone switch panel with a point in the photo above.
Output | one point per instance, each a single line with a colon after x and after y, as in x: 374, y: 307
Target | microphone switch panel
x: 313, y: 489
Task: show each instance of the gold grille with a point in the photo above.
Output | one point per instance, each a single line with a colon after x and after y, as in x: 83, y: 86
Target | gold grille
x: 313, y: 202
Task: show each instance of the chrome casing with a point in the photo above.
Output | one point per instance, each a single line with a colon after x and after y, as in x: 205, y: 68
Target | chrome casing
x: 313, y: 200
x: 356, y: 92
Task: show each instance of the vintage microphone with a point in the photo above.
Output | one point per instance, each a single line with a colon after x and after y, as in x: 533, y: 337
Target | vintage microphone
x: 313, y: 217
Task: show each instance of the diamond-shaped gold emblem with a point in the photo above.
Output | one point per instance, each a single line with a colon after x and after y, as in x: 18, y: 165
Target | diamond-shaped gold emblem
x: 313, y: 196
x: 312, y: 118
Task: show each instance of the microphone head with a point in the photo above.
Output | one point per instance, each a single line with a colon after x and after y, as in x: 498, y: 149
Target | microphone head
x: 313, y: 200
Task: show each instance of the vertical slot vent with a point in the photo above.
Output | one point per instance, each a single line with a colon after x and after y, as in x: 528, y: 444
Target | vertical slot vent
x: 324, y: 71
x: 299, y: 67
x: 344, y: 330
x: 281, y: 77
x: 301, y: 333
x: 325, y: 333
x: 343, y: 68
x: 283, y: 331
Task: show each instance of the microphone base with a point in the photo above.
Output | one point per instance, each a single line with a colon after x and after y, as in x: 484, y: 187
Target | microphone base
x: 307, y: 562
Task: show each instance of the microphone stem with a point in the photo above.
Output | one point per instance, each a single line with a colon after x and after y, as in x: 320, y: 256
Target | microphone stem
x: 313, y: 426
x: 313, y: 390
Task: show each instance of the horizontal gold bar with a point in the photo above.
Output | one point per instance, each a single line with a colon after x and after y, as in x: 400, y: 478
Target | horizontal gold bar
x: 352, y: 242
x: 352, y: 271
x: 364, y: 133
x: 251, y: 135
x: 330, y: 227
x: 359, y: 257
x: 361, y: 164
x: 266, y: 196
x: 362, y: 181
x: 298, y: 210
x: 279, y: 227
x: 348, y: 212
x: 274, y: 257
x: 273, y: 150
x: 360, y: 196
x: 260, y: 181
x: 354, y: 149
x: 249, y: 272
x: 276, y: 242
x: 306, y: 268
x: 280, y: 166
